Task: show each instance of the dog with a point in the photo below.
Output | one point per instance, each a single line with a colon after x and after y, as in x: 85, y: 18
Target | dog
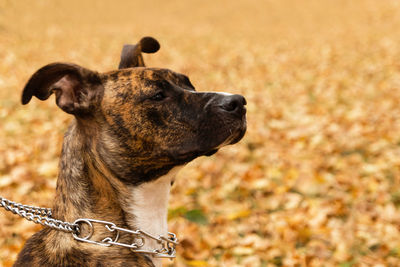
x: 133, y: 129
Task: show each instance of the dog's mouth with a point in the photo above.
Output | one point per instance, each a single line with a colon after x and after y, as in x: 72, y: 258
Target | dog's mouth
x: 233, y: 135
x: 233, y: 139
x: 210, y: 153
x: 236, y: 134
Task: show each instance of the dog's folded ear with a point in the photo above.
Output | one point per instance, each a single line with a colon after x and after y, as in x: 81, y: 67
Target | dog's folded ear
x: 76, y: 88
x: 131, y: 55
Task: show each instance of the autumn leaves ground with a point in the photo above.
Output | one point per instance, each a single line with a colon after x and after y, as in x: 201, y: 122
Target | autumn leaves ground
x: 316, y: 180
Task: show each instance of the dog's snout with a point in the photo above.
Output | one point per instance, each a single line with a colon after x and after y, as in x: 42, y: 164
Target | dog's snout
x: 233, y: 104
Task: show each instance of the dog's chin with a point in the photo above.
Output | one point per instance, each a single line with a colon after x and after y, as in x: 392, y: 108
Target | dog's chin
x: 232, y: 139
x: 235, y: 136
x: 210, y: 153
x: 185, y: 157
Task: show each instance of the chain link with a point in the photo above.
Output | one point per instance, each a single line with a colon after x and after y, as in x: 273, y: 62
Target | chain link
x: 37, y: 215
x: 167, y: 244
x: 42, y: 216
x: 35, y: 210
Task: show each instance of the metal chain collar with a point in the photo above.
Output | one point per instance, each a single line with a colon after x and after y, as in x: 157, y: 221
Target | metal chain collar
x: 43, y: 216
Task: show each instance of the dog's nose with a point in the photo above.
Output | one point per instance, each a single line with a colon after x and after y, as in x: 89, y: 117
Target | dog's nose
x: 234, y: 104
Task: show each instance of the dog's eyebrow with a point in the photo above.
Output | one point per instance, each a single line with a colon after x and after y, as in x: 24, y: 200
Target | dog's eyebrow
x: 180, y: 79
x: 184, y: 80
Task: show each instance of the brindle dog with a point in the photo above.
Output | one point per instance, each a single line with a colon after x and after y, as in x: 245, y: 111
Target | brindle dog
x: 133, y: 127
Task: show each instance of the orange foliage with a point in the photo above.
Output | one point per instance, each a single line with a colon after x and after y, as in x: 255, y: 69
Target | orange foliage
x: 315, y: 181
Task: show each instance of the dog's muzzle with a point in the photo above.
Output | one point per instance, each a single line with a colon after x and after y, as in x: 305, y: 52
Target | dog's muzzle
x: 219, y: 119
x: 227, y: 116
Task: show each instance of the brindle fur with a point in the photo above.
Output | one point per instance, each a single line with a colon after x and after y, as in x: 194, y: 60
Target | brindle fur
x: 121, y: 137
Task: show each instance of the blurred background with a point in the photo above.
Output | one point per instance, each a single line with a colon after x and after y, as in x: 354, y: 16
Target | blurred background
x: 315, y: 181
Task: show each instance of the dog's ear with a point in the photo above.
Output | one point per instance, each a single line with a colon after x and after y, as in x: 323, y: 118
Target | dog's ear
x: 76, y: 88
x: 131, y: 55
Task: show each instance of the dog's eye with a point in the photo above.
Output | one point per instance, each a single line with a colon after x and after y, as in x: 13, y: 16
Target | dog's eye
x: 158, y: 97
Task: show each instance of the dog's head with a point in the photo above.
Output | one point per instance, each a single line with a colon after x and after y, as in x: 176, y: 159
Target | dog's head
x: 147, y: 120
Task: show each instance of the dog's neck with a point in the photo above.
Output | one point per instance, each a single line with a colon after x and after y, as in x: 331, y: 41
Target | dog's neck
x: 86, y: 189
x: 150, y: 209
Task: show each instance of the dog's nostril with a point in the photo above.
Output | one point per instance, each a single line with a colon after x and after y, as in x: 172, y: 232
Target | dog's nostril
x: 231, y: 106
x: 234, y: 102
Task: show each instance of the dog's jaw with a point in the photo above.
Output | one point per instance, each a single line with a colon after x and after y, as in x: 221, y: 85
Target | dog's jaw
x: 149, y: 208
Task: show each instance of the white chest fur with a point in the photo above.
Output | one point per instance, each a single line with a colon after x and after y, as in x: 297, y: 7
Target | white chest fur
x: 150, y: 208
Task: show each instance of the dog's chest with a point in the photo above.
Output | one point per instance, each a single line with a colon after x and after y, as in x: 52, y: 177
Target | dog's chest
x: 150, y: 208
